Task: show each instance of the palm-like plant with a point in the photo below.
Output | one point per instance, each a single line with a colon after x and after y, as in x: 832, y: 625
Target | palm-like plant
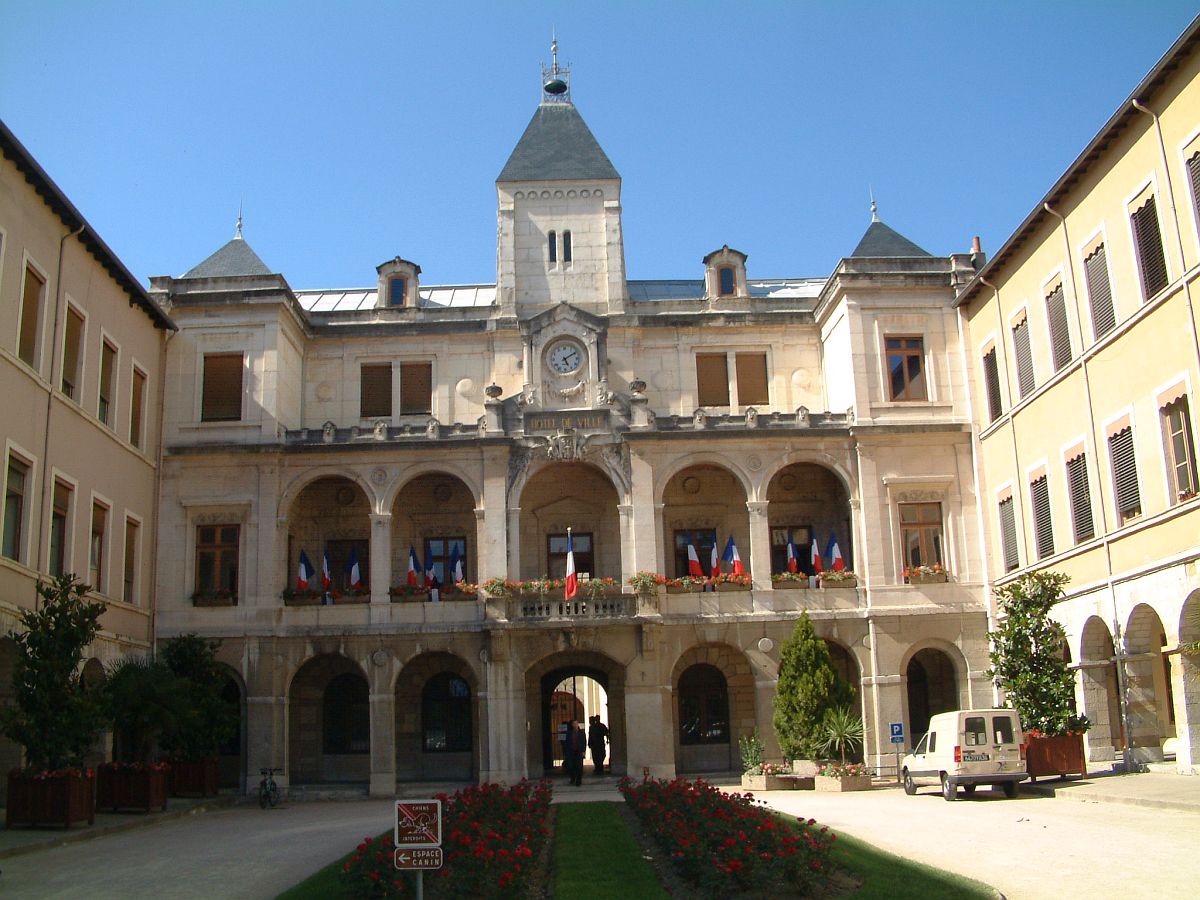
x: 144, y: 702
x: 843, y: 731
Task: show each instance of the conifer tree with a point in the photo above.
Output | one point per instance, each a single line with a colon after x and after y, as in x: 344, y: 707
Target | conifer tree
x: 809, y: 687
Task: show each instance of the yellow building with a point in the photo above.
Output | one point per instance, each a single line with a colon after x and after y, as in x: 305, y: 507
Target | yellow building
x: 1082, y: 334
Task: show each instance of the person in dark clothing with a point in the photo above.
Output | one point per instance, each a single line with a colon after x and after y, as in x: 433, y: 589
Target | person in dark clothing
x: 597, y: 742
x: 576, y: 747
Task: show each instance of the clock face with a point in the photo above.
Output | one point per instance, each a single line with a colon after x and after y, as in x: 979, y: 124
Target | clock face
x: 565, y: 358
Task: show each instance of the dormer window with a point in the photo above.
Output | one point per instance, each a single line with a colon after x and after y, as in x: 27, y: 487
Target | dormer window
x: 398, y: 284
x: 725, y: 281
x: 725, y: 274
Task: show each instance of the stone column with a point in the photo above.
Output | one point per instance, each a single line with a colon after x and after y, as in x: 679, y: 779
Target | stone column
x: 513, y: 533
x: 649, y: 720
x: 1185, y: 685
x: 382, y: 700
x: 628, y: 550
x: 380, y: 576
x: 491, y: 559
x: 1094, y: 703
x: 266, y: 716
x: 644, y: 523
x: 502, y: 723
x: 760, y: 545
x: 660, y: 551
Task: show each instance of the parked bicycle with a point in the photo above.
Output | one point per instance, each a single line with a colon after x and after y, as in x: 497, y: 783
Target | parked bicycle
x: 268, y: 790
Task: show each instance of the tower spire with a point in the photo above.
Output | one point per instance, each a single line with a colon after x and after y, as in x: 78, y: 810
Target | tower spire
x: 237, y: 234
x: 556, y: 80
x: 874, y: 208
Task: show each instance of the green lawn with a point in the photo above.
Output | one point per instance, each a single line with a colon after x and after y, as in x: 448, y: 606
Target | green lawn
x: 885, y: 876
x: 596, y: 856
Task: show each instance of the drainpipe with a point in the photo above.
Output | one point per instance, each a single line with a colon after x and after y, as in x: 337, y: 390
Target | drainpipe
x: 152, y: 595
x: 1118, y: 654
x: 59, y: 300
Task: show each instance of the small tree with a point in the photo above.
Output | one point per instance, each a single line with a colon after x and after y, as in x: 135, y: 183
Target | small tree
x: 206, y: 720
x: 144, y: 702
x: 53, y: 716
x: 808, y: 688
x: 843, y: 732
x: 1027, y: 655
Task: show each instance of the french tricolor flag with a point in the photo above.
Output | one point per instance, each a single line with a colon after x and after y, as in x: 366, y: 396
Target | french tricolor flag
x: 305, y: 573
x: 793, y: 558
x: 326, y: 578
x: 714, y: 566
x: 456, y: 565
x: 413, y: 566
x: 693, y: 559
x: 571, y: 584
x: 354, y: 571
x: 835, y: 554
x: 816, y: 558
x: 731, y: 556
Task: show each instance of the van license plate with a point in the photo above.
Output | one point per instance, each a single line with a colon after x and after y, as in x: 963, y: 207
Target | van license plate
x: 975, y: 757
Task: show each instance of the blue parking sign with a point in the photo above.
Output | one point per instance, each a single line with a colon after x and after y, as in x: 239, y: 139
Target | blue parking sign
x: 897, y: 732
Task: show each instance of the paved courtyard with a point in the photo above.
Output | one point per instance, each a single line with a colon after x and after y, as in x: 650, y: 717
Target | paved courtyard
x: 1031, y: 847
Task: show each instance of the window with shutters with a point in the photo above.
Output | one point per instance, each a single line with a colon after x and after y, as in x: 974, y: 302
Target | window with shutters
x: 1181, y: 449
x: 128, y: 594
x: 16, y: 508
x: 397, y: 291
x: 1125, y: 481
x: 33, y: 295
x: 921, y: 533
x: 1024, y: 356
x: 221, y: 391
x: 991, y: 378
x: 375, y: 391
x: 97, y: 547
x: 1095, y: 269
x: 906, y: 367
x: 416, y: 388
x: 217, y: 549
x: 1193, y: 167
x: 108, y: 367
x: 1147, y: 244
x: 1080, y: 495
x: 72, y: 365
x: 712, y: 379
x: 1060, y: 335
x: 60, y: 517
x: 1043, y: 525
x: 1008, y: 534
x: 751, y: 371
x: 137, y: 407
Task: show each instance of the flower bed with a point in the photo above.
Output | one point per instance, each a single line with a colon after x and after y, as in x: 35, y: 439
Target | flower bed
x: 725, y: 844
x: 491, y: 836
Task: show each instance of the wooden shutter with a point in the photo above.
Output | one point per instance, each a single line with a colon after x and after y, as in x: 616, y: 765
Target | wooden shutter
x: 222, y: 390
x: 1008, y: 535
x: 991, y: 375
x: 1024, y: 354
x: 1060, y: 335
x: 1099, y: 293
x: 71, y: 346
x: 712, y: 379
x: 416, y: 388
x: 1193, y: 167
x: 1124, y: 463
x: 751, y: 371
x: 1043, y: 525
x: 1081, y: 498
x: 1148, y: 243
x: 136, y: 408
x: 31, y: 315
x: 375, y: 391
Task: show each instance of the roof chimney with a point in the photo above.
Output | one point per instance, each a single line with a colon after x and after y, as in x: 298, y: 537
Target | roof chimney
x: 978, y: 258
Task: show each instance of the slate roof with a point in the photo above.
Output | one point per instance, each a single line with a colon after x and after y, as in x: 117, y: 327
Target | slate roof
x: 881, y: 241
x: 235, y: 258
x: 557, y: 146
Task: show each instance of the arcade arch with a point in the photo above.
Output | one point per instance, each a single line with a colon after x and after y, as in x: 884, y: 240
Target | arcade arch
x: 434, y: 516
x: 437, y: 719
x: 713, y: 706
x: 811, y: 503
x: 932, y: 687
x: 331, y: 515
x: 329, y: 722
x: 544, y: 690
x: 703, y: 504
x: 1150, y: 705
x: 571, y: 495
x: 1100, y: 693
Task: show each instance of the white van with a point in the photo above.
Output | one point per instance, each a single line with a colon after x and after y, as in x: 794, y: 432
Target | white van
x: 968, y: 747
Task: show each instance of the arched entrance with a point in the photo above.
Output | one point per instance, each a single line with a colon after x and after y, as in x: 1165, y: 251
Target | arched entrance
x: 574, y: 683
x: 932, y: 688
x: 434, y: 516
x: 569, y: 495
x: 714, y: 708
x: 232, y: 753
x: 1149, y: 702
x: 703, y: 505
x: 331, y: 516
x: 437, y: 720
x: 809, y: 502
x: 329, y: 723
x: 1101, y: 695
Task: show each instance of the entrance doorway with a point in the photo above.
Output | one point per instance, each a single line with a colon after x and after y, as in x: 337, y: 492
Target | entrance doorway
x: 572, y: 694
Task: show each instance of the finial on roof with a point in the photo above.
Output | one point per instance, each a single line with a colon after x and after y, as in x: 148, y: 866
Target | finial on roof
x: 556, y: 81
x: 237, y: 234
x: 874, y: 208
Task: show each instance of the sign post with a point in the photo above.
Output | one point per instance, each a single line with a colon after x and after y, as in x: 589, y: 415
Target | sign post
x: 418, y: 838
x: 898, y: 741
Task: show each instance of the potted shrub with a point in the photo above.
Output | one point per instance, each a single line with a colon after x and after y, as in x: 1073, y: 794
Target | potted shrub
x: 842, y: 734
x: 838, y: 578
x: 1027, y: 661
x: 53, y: 716
x: 807, y: 688
x: 142, y: 700
x: 207, y: 720
x: 645, y: 584
x: 934, y: 573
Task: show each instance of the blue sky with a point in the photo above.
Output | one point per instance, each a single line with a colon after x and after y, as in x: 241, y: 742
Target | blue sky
x: 357, y: 132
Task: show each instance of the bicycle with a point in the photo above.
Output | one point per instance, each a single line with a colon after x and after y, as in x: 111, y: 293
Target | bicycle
x: 268, y: 790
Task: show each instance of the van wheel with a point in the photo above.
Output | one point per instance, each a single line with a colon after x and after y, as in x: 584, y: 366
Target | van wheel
x: 1010, y: 789
x: 949, y: 789
x: 910, y: 786
x: 969, y: 789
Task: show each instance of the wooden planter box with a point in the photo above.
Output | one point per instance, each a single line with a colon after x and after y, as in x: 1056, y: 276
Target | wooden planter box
x: 927, y: 579
x: 837, y: 784
x: 195, y: 778
x: 733, y: 587
x: 131, y: 789
x: 1061, y: 755
x: 790, y: 585
x: 50, y: 801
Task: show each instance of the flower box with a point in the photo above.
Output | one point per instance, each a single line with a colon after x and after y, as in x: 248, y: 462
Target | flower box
x: 768, y: 782
x: 840, y: 583
x: 732, y: 586
x: 931, y: 578
x: 131, y: 787
x: 840, y: 783
x: 346, y: 599
x: 1060, y: 755
x: 214, y: 600
x: 194, y: 777
x: 59, y: 799
x: 305, y: 598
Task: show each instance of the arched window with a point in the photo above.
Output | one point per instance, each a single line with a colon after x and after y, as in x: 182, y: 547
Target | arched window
x: 346, y: 715
x: 703, y: 706
x: 566, y: 246
x: 725, y: 281
x: 552, y: 244
x: 446, y: 715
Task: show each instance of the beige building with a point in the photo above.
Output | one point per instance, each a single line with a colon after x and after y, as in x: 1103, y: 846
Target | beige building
x: 484, y: 422
x: 81, y: 362
x: 1082, y: 333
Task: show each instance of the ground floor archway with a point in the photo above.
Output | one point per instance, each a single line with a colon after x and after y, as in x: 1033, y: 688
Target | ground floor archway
x: 329, y: 722
x: 437, y: 720
x: 713, y: 706
x: 932, y: 688
x: 573, y: 684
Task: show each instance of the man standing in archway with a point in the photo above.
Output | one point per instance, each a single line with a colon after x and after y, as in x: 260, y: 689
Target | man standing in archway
x: 597, y: 741
x: 575, y: 747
